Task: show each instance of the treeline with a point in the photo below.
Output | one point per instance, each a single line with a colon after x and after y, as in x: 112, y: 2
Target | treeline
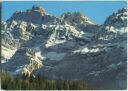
x: 39, y: 83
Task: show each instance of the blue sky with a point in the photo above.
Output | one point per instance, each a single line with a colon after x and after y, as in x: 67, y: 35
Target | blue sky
x: 98, y: 11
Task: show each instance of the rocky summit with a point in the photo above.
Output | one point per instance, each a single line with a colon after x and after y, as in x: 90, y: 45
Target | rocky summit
x: 69, y: 47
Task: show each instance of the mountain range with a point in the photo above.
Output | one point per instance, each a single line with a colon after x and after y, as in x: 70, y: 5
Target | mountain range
x: 69, y: 47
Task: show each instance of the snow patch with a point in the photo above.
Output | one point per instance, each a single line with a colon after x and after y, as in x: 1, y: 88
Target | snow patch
x: 7, y: 53
x: 86, y: 50
x: 38, y: 54
x: 55, y: 56
x: 53, y: 43
x: 96, y: 73
x: 19, y: 70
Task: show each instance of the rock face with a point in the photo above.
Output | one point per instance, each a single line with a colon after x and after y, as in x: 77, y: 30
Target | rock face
x: 71, y: 47
x: 28, y: 63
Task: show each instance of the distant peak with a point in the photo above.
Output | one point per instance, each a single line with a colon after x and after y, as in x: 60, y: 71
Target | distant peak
x: 117, y: 19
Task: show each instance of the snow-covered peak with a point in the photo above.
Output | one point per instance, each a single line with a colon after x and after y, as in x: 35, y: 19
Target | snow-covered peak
x: 76, y: 18
x: 79, y: 21
x: 117, y: 19
x: 115, y: 27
